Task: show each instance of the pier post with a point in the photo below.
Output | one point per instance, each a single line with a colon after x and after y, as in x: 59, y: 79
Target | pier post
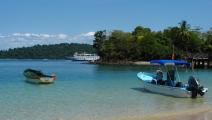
x: 203, y: 63
x: 198, y: 63
x: 209, y: 60
x: 195, y: 63
x: 208, y: 63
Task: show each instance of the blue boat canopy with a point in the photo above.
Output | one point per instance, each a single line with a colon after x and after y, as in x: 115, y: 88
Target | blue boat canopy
x: 164, y: 62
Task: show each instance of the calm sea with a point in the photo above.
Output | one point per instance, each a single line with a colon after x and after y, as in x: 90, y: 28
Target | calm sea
x: 86, y: 92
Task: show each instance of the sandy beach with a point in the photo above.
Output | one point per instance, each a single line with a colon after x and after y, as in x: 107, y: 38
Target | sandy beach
x: 192, y: 114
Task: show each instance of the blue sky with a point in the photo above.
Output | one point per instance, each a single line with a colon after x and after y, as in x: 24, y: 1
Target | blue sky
x: 78, y: 19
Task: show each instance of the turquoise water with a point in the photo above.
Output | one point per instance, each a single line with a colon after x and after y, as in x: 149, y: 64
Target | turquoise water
x: 86, y: 92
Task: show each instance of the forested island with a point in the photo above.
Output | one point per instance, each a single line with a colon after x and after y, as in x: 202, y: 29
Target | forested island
x: 57, y: 51
x: 143, y: 44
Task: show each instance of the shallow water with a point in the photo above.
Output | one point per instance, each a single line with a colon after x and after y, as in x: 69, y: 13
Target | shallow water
x: 86, y: 92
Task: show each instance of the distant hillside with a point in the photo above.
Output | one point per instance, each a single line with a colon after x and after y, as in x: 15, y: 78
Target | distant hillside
x: 57, y: 51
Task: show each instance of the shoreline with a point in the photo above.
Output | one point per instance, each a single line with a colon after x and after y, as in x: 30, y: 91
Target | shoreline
x: 121, y: 63
x: 191, y: 114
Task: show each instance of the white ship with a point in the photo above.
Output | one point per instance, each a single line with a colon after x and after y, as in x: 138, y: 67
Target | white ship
x: 84, y: 57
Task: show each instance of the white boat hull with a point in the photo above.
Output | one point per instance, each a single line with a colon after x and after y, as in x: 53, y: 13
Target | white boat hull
x: 42, y: 80
x: 162, y: 89
x: 166, y: 90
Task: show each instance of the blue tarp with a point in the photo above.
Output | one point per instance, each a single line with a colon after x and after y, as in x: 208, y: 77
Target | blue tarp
x: 175, y: 62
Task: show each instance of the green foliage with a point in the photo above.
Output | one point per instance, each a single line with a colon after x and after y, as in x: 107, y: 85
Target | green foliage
x: 144, y: 44
x: 58, y: 51
x: 208, y: 42
x: 100, y: 37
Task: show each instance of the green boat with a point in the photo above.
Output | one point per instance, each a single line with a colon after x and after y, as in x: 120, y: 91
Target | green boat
x: 36, y: 76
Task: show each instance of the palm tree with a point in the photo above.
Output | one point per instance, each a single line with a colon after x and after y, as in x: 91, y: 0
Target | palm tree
x: 100, y: 37
x: 184, y: 35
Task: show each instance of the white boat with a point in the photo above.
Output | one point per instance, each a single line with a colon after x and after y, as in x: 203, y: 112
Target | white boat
x: 149, y: 83
x: 84, y: 57
x: 35, y: 76
x: 41, y: 80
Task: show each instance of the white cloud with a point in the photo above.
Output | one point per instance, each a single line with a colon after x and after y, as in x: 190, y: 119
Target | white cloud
x: 1, y: 36
x: 41, y: 36
x: 33, y: 35
x: 45, y: 35
x: 88, y: 34
x: 83, y: 38
x: 29, y: 39
x: 62, y: 36
x: 16, y: 34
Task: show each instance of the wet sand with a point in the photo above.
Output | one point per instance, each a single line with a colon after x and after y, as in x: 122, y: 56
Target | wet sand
x: 192, y: 114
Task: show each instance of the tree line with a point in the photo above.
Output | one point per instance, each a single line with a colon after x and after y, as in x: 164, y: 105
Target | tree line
x: 57, y: 51
x: 144, y: 44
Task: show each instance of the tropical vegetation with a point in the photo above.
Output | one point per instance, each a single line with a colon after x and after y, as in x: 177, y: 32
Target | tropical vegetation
x: 145, y: 44
x: 57, y: 51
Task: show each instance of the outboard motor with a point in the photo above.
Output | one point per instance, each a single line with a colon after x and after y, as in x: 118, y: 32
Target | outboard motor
x: 194, y: 87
